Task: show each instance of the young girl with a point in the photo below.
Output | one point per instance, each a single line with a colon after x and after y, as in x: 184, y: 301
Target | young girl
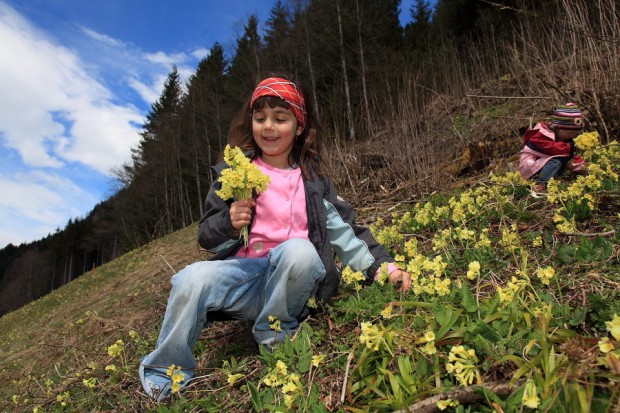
x: 548, y: 148
x: 295, y: 227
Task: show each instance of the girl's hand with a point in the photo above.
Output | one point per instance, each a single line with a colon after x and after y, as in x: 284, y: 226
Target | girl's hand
x: 241, y: 213
x: 402, y: 277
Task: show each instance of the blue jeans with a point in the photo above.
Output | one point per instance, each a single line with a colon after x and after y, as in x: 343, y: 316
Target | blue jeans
x: 554, y: 167
x: 278, y: 285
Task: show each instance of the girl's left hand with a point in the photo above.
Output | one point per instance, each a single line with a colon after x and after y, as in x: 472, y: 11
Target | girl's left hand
x: 402, y: 277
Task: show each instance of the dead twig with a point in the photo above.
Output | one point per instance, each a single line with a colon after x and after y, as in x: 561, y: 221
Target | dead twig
x: 463, y: 396
x: 590, y: 234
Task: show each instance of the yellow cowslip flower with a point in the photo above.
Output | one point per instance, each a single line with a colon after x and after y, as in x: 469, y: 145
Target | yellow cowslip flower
x: 317, y: 359
x: 240, y: 179
x: 444, y: 404
x: 429, y: 336
x: 612, y: 361
x: 530, y: 395
x: 587, y: 141
x: 274, y: 323
x: 429, y: 348
x: 537, y: 242
x: 509, y: 239
x: 613, y: 327
x: 565, y: 225
x: 293, y: 384
x: 483, y: 239
x: 351, y: 277
x: 90, y: 383
x: 15, y: 398
x: 116, y: 349
x: 507, y: 294
x: 176, y: 378
x: 63, y: 398
x: 387, y: 312
x: 232, y: 378
x: 277, y: 376
x: 464, y: 234
x: 442, y: 287
x: 545, y: 274
x: 605, y: 345
x: 371, y: 336
x: 289, y: 401
x: 462, y: 365
x: 473, y: 270
x: 411, y: 247
x: 110, y: 367
x: 281, y: 367
x: 382, y: 275
x: 171, y: 370
x: 312, y: 302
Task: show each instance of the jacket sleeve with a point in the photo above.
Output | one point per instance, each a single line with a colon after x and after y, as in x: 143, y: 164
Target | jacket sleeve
x: 543, y: 144
x: 354, y: 244
x: 215, y: 231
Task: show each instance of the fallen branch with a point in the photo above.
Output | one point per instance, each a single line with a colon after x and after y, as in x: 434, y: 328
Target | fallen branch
x: 590, y: 234
x: 463, y: 396
x: 346, y: 376
x: 507, y: 97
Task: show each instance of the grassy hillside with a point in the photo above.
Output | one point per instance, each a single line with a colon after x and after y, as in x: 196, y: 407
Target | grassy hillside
x: 513, y: 305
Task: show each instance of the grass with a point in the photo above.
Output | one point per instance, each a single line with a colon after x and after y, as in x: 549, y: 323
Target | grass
x: 376, y: 349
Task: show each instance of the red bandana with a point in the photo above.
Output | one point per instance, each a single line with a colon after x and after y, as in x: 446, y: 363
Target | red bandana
x: 285, y: 90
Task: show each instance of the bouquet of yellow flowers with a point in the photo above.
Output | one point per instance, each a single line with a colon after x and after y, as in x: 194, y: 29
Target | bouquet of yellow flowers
x: 587, y: 141
x: 240, y: 180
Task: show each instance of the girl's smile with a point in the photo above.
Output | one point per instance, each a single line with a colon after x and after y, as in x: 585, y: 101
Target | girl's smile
x: 274, y: 131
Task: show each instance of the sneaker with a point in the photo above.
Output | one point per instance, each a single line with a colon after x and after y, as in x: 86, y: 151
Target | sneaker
x: 538, y: 191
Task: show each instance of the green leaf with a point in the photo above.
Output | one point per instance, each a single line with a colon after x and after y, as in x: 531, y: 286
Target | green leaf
x: 491, y: 306
x: 488, y: 395
x: 446, y: 317
x: 468, y: 301
x: 482, y: 346
x: 257, y: 402
x: 578, y: 316
x: 485, y: 331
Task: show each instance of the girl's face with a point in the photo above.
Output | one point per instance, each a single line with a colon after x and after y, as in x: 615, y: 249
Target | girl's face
x: 564, y: 135
x: 274, y: 131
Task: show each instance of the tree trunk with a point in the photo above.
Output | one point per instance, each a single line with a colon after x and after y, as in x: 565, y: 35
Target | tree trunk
x: 345, y: 78
x: 362, y: 63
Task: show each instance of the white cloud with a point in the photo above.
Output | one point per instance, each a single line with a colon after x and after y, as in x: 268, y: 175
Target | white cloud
x: 39, y: 202
x: 148, y: 92
x: 103, y: 38
x: 48, y: 96
x: 166, y: 60
x: 68, y: 115
x: 200, y: 53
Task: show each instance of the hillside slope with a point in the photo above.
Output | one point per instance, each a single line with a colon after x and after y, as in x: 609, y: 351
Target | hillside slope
x: 523, y: 289
x: 61, y: 334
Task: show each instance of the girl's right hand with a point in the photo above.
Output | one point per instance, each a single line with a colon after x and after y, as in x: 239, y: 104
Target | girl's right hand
x: 241, y: 213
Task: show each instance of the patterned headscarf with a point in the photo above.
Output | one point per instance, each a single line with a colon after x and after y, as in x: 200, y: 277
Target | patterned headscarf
x: 567, y: 116
x: 285, y: 90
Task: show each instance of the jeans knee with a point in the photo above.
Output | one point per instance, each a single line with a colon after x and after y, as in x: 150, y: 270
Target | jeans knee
x: 302, y: 258
x: 191, y: 278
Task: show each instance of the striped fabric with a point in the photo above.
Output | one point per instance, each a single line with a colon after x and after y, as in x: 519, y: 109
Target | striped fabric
x: 285, y: 90
x: 567, y: 116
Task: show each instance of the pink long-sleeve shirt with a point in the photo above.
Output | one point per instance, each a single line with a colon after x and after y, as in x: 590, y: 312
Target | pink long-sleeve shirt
x: 280, y: 212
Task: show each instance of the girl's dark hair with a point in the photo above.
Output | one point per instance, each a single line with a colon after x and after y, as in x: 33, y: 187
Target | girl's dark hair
x: 306, y: 147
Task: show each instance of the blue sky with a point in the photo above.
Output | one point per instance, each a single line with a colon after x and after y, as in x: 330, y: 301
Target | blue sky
x: 77, y: 78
